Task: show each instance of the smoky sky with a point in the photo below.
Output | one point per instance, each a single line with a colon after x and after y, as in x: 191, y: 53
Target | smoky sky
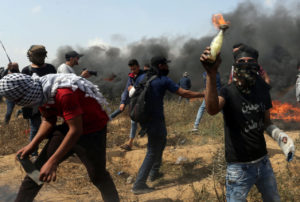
x: 275, y: 35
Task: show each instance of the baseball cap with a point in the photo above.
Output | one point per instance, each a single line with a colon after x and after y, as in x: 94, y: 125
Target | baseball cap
x: 156, y: 60
x: 72, y: 54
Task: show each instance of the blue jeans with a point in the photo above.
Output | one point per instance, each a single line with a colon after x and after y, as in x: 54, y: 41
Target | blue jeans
x: 157, y: 139
x: 133, y: 129
x: 35, y: 122
x: 9, y: 109
x: 242, y: 176
x: 199, y: 114
x: 115, y: 113
x: 134, y: 124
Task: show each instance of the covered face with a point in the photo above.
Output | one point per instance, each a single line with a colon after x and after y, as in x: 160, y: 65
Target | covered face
x: 246, y: 69
x: 21, y: 89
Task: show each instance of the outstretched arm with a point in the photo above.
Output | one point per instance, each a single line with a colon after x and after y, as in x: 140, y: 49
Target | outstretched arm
x: 284, y: 141
x: 189, y: 94
x: 214, y: 103
x: 85, y: 74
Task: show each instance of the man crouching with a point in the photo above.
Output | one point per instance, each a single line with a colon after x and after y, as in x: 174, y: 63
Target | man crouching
x: 245, y: 104
x: 83, y: 132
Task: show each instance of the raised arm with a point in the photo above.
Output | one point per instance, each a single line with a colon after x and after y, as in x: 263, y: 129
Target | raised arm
x: 214, y: 103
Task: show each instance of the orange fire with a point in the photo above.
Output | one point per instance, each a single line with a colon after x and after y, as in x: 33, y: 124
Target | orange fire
x: 285, y: 112
x: 218, y: 20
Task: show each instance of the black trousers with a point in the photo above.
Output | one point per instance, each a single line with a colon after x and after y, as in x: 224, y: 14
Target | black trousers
x: 91, y: 149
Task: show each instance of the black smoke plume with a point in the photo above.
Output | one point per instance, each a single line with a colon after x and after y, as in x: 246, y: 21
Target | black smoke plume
x: 276, y: 35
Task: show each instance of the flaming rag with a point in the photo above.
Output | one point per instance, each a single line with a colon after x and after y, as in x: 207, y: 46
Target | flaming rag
x: 25, y: 90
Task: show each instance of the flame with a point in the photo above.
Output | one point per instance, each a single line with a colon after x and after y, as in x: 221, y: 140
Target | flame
x: 285, y: 111
x: 218, y: 20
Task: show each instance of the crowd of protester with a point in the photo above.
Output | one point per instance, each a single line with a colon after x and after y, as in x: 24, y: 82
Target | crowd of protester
x: 46, y: 93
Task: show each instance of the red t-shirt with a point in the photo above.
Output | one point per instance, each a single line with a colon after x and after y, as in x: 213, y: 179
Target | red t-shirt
x: 69, y: 104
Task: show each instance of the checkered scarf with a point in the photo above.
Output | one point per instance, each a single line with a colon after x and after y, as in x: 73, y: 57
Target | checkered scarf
x: 21, y: 89
x: 52, y: 82
x: 29, y: 91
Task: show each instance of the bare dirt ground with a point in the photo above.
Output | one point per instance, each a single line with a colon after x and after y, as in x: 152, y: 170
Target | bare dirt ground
x: 170, y: 188
x: 189, y: 180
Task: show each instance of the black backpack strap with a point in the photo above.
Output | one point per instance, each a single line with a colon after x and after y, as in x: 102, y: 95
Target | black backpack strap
x: 151, y: 79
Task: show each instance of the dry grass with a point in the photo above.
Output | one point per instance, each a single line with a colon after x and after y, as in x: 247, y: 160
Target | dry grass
x: 73, y: 179
x: 12, y: 136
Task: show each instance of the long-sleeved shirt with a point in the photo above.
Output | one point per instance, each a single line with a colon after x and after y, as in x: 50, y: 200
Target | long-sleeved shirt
x: 132, y: 81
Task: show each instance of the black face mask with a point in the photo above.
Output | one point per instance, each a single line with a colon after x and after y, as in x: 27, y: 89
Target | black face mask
x: 164, y: 72
x: 245, y: 75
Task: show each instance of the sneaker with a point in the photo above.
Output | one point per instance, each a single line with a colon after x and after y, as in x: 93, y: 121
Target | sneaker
x: 126, y: 147
x: 155, y: 177
x: 194, y: 129
x: 142, y: 189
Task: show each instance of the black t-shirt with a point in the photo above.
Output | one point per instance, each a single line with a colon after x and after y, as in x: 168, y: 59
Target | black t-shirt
x: 244, y: 122
x: 41, y: 71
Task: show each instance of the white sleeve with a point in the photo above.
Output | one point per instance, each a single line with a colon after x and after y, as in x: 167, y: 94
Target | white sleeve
x: 63, y: 69
x: 278, y: 135
x: 298, y: 89
x: 131, y: 92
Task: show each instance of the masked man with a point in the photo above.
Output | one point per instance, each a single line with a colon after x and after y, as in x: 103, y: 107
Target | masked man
x: 245, y: 103
x: 261, y: 71
x: 156, y: 127
x: 83, y: 132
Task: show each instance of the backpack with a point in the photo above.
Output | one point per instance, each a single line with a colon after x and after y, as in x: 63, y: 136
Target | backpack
x: 138, y: 105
